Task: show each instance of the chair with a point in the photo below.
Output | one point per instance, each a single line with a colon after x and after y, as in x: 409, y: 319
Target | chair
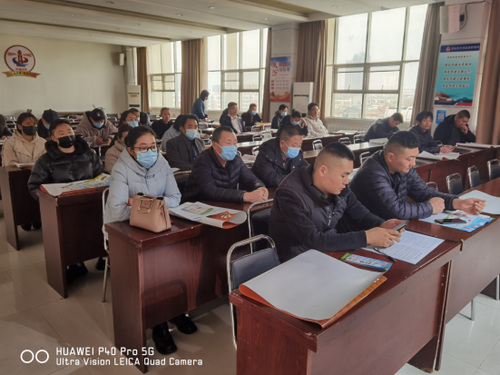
x: 474, y: 178
x: 257, y: 137
x: 360, y: 138
x: 345, y: 140
x: 247, y: 267
x: 258, y: 214
x: 105, y: 194
x: 255, y: 151
x: 454, y: 183
x: 317, y: 145
x: 267, y: 134
x: 363, y: 156
x: 207, y: 142
x: 256, y: 128
x: 493, y: 168
x: 433, y: 185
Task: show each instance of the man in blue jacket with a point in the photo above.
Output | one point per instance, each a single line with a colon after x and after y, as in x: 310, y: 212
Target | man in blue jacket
x: 385, y: 181
x: 310, y: 206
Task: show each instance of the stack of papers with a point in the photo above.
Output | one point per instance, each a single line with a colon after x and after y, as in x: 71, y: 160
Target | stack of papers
x: 204, y: 213
x: 440, y: 156
x: 492, y: 203
x: 77, y: 186
x: 470, y: 222
x: 477, y: 145
x: 379, y: 141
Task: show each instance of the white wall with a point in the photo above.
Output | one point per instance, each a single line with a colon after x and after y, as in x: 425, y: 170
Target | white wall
x: 74, y: 76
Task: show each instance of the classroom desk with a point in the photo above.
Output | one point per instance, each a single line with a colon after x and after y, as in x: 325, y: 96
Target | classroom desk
x: 401, y: 321
x: 356, y: 148
x: 156, y: 277
x: 19, y: 207
x: 72, y: 233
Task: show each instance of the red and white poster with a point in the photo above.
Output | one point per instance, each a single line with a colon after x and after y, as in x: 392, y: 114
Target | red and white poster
x: 281, y: 79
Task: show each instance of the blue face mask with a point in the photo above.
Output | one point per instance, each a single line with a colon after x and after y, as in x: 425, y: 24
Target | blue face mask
x: 133, y: 123
x: 292, y: 152
x: 283, y: 114
x: 147, y: 159
x: 228, y: 152
x: 254, y: 113
x: 191, y: 134
x: 47, y: 126
x: 98, y: 125
x: 295, y: 122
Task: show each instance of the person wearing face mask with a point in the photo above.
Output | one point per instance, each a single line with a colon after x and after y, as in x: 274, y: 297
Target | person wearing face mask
x: 278, y: 117
x: 117, y: 146
x: 251, y: 116
x: 95, y: 128
x: 25, y: 146
x: 140, y: 169
x: 219, y: 174
x: 314, y: 123
x: 279, y: 156
x: 4, y: 130
x: 183, y: 149
x: 232, y: 120
x: 422, y: 130
x: 294, y: 119
x: 44, y: 123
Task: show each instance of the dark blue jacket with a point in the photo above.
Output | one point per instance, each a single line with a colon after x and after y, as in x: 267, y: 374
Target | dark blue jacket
x: 199, y: 109
x: 249, y: 119
x: 302, y: 218
x: 226, y: 121
x: 380, y: 129
x: 210, y: 181
x: 386, y: 195
x: 269, y: 165
x: 425, y: 140
x: 449, y: 134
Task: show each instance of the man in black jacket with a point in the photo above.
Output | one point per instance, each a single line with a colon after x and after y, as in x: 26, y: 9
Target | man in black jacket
x: 384, y: 127
x: 279, y: 156
x: 183, y: 149
x: 232, y: 120
x: 310, y: 206
x: 422, y: 130
x: 385, y: 181
x: 454, y: 129
x: 219, y: 174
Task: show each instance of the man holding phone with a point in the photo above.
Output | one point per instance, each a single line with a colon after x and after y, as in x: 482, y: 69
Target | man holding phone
x: 388, y: 178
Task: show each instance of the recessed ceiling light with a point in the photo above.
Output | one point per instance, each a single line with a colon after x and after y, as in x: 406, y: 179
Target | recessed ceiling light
x: 179, y: 14
x: 211, y: 7
x: 266, y: 18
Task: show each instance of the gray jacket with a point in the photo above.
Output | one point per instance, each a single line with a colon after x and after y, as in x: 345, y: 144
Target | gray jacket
x: 90, y: 133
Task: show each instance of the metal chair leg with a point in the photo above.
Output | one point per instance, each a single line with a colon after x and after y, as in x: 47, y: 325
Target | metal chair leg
x: 497, y: 296
x: 472, y: 311
x: 105, y: 280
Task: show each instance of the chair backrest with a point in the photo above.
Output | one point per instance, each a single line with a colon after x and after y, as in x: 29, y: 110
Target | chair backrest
x: 267, y: 134
x: 454, y: 183
x: 105, y: 194
x: 433, y: 185
x: 359, y: 138
x: 345, y: 140
x: 363, y: 156
x: 493, y: 168
x: 256, y: 128
x: 317, y: 145
x: 255, y: 151
x: 474, y: 178
x: 257, y: 137
x: 248, y: 266
x: 207, y: 142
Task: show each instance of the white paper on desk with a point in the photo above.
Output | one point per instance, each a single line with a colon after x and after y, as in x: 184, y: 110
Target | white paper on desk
x: 492, y: 203
x: 57, y: 189
x: 204, y: 213
x: 412, y: 247
x: 477, y: 145
x: 440, y: 156
x: 378, y: 141
x: 22, y: 165
x: 248, y: 159
x: 312, y: 285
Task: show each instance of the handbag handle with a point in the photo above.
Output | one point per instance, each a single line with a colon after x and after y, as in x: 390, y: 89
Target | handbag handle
x: 149, y: 204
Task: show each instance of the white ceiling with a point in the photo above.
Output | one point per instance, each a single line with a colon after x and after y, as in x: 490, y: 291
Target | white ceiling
x: 147, y: 22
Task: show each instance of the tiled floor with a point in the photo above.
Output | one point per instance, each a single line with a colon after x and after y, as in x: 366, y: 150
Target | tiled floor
x: 34, y: 317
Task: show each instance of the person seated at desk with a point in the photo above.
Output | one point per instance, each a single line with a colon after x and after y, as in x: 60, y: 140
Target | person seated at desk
x: 140, y: 170
x: 163, y: 124
x: 199, y: 106
x: 251, y: 116
x: 388, y: 178
x: 294, y: 119
x: 314, y: 124
x: 217, y: 171
x: 95, y: 128
x: 68, y: 158
x: 25, y: 146
x: 130, y: 117
x: 173, y: 132
x: 144, y: 119
x: 279, y: 156
x: 4, y: 130
x: 116, y: 147
x: 454, y: 129
x: 278, y: 116
x: 183, y: 149
x: 384, y: 127
x: 310, y: 206
x: 422, y: 130
x: 44, y: 123
x: 232, y: 120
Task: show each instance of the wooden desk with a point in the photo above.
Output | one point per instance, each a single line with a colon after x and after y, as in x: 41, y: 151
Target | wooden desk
x: 72, y: 233
x: 156, y: 277
x: 400, y: 321
x: 19, y: 207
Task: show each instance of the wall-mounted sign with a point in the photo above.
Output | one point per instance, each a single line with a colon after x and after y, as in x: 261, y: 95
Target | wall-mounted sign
x: 281, y: 79
x: 21, y: 61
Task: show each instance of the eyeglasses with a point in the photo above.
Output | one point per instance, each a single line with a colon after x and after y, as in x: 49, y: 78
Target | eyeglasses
x: 145, y: 149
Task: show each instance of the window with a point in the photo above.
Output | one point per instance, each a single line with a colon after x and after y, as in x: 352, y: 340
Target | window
x: 236, y: 69
x: 165, y: 66
x: 372, y: 63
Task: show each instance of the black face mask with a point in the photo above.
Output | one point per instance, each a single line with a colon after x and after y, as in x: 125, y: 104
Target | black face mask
x: 29, y: 130
x: 67, y: 141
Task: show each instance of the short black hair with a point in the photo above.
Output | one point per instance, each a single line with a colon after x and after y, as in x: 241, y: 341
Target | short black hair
x: 23, y: 116
x: 339, y: 150
x: 164, y: 109
x: 123, y: 128
x: 231, y: 104
x: 296, y: 113
x: 204, y: 94
x: 423, y: 115
x: 124, y: 115
x: 397, y: 117
x: 178, y: 121
x: 217, y: 132
x: 136, y: 133
x: 56, y: 123
x: 311, y: 105
x: 463, y: 114
x: 288, y: 132
x: 188, y: 117
x: 282, y: 107
x: 401, y: 139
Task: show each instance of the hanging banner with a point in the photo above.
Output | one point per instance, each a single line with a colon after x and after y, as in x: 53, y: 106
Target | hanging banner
x: 281, y: 79
x: 457, y: 74
x: 21, y: 61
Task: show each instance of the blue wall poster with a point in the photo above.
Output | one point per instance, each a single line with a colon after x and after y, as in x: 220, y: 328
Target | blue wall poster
x: 440, y: 115
x: 456, y: 76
